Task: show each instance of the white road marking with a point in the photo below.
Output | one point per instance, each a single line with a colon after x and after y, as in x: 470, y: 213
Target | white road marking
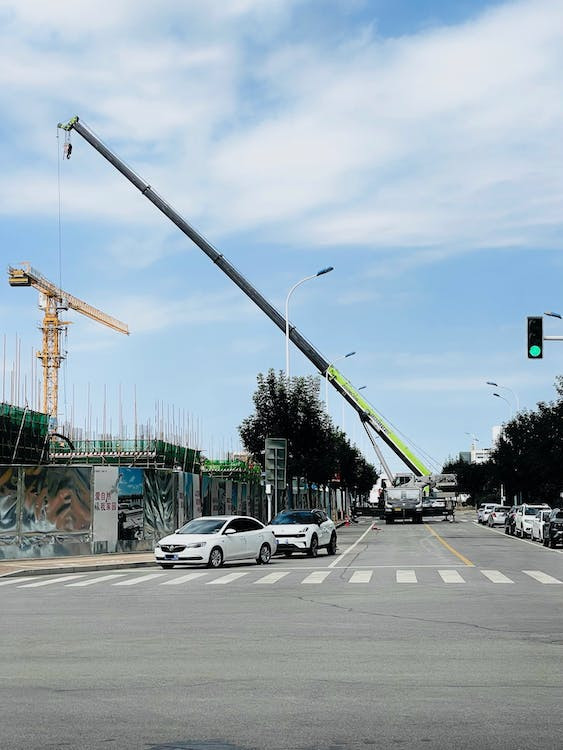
x: 541, y: 577
x: 17, y: 579
x: 227, y: 579
x: 406, y: 576
x: 272, y: 578
x: 317, y: 577
x: 347, y: 551
x: 90, y: 581
x: 140, y: 579
x: 361, y: 576
x: 182, y: 579
x: 496, y: 576
x: 52, y: 580
x: 450, y: 576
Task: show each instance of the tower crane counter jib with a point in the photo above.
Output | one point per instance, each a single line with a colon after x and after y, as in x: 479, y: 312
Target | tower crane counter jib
x: 53, y: 300
x: 422, y: 479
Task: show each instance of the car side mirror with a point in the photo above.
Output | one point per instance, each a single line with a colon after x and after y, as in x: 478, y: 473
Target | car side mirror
x: 229, y: 532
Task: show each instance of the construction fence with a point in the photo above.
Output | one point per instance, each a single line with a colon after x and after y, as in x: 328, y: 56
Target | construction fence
x: 54, y: 511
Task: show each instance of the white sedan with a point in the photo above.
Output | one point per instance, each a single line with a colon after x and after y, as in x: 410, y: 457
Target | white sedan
x: 213, y: 540
x: 304, y: 531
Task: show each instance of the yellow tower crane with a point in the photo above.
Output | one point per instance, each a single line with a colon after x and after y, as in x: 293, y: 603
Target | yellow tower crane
x: 52, y: 300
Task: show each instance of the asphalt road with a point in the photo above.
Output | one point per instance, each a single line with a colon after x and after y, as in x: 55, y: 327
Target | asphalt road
x: 435, y: 636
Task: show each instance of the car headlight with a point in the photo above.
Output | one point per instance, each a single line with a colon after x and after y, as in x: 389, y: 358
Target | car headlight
x: 193, y: 545
x: 156, y: 546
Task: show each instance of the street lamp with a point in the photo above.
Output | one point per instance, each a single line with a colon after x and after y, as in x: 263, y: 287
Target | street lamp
x: 344, y: 356
x: 506, y: 388
x: 293, y: 288
x: 553, y: 315
x: 507, y: 401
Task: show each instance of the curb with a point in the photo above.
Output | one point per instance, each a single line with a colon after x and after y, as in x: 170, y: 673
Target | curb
x: 76, y: 569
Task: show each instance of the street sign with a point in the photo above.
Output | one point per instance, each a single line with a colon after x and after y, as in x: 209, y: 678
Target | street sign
x: 275, y: 462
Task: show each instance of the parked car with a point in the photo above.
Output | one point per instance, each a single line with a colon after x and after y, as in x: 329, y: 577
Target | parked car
x: 523, y: 518
x: 483, y: 512
x: 304, y: 531
x: 497, y: 516
x: 213, y: 540
x: 553, y: 529
x: 538, y: 523
x: 510, y: 519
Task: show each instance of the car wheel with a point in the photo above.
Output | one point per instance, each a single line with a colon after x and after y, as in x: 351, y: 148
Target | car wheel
x: 331, y: 549
x: 313, y: 550
x: 215, y: 558
x: 166, y: 566
x: 264, y: 555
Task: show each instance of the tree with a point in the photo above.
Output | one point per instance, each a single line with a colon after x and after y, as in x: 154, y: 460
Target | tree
x: 317, y: 451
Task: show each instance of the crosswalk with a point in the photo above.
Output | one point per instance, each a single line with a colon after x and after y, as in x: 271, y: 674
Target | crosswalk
x: 373, y: 577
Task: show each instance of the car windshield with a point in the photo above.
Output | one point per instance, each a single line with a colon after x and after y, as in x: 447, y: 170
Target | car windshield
x: 202, y: 526
x: 293, y: 516
x: 531, y: 511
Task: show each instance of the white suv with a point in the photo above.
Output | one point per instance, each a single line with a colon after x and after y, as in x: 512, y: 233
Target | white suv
x: 304, y: 531
x: 484, y: 511
x: 524, y: 516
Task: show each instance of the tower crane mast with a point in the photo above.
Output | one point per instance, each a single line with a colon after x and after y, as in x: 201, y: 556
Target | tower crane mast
x: 53, y: 300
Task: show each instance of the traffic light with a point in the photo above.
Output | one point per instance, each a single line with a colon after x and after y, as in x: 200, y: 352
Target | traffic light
x: 275, y: 462
x: 535, y: 337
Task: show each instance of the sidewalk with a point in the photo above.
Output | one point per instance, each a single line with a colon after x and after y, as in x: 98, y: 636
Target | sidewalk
x: 84, y: 563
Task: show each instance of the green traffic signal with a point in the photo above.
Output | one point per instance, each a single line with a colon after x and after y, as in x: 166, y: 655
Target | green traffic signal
x: 535, y: 337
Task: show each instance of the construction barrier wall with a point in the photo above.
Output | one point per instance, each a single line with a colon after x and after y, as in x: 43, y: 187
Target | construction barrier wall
x: 53, y: 511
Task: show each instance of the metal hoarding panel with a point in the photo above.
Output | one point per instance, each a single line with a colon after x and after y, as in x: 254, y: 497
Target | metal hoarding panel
x: 106, y: 480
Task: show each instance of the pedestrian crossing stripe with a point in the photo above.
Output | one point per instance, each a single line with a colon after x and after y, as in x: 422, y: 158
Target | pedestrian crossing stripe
x: 376, y: 578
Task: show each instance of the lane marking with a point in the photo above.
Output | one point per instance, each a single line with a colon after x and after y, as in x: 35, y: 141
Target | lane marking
x: 18, y: 579
x: 495, y: 576
x: 317, y: 577
x: 272, y: 578
x: 182, y: 579
x: 346, y: 551
x: 406, y: 576
x: 226, y: 579
x: 450, y: 548
x: 541, y: 577
x: 90, y: 581
x: 524, y: 541
x: 133, y: 581
x: 450, y: 576
x: 60, y: 579
x: 361, y: 576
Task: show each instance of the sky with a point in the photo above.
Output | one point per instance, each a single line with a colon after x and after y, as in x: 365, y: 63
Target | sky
x: 414, y: 146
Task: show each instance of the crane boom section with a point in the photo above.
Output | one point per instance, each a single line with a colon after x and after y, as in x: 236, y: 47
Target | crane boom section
x: 366, y: 412
x: 28, y: 276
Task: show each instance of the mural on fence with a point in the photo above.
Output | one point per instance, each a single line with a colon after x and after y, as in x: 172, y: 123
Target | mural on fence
x: 160, y: 503
x: 56, y: 499
x: 8, y: 500
x: 130, y: 504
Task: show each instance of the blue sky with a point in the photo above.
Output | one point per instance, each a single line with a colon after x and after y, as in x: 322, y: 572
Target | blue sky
x: 414, y: 146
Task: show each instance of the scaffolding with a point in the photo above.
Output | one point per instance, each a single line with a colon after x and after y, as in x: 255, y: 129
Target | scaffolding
x: 23, y: 435
x: 115, y: 452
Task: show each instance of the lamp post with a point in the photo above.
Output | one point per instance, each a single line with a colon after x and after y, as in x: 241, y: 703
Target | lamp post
x: 293, y: 288
x: 507, y: 401
x: 344, y: 356
x: 505, y: 387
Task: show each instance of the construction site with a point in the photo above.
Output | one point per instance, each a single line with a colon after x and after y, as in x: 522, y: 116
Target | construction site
x: 79, y: 490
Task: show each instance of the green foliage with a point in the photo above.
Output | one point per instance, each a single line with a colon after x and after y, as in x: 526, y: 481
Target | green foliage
x: 527, y: 459
x: 317, y: 450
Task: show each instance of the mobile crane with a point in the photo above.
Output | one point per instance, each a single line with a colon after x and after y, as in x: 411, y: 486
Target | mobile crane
x: 404, y: 500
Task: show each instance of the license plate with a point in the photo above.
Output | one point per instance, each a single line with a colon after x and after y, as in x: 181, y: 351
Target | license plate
x: 171, y: 557
x: 398, y: 509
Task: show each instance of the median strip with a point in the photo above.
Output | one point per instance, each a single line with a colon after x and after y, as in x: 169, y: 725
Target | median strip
x: 450, y: 548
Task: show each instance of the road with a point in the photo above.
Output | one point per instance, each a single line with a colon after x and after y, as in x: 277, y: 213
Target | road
x: 435, y: 636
